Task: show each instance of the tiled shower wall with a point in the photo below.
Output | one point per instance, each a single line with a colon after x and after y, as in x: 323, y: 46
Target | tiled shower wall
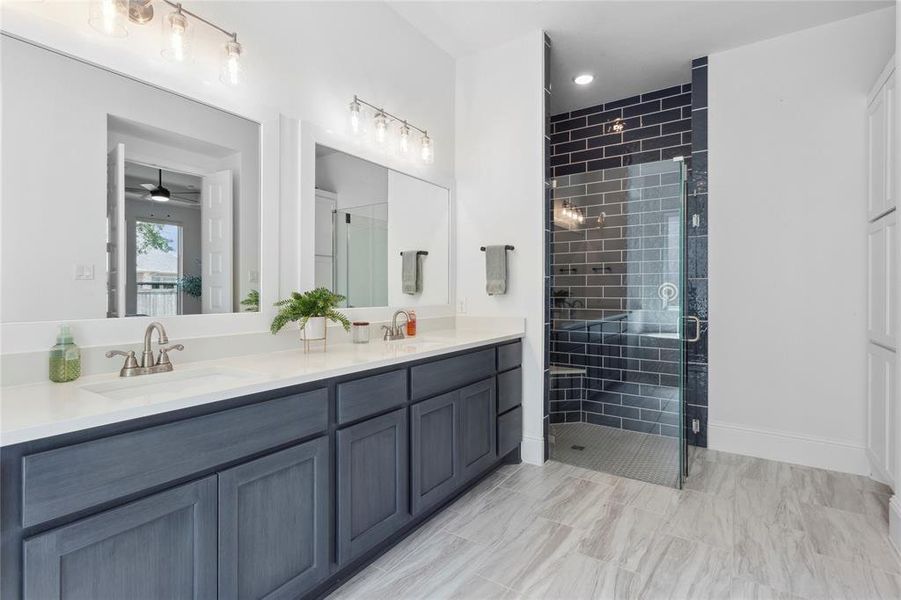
x: 606, y: 160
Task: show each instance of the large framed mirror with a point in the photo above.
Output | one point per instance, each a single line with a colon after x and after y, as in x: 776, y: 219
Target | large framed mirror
x: 122, y: 199
x: 367, y: 216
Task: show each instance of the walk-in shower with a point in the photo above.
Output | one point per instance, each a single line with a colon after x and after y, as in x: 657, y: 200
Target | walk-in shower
x: 616, y: 358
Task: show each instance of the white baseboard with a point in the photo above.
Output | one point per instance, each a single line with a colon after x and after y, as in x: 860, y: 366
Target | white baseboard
x: 811, y: 451
x: 894, y: 522
x: 532, y: 450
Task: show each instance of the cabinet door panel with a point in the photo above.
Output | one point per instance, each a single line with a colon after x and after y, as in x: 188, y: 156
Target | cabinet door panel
x: 435, y: 473
x: 877, y: 148
x: 881, y: 281
x: 273, y: 524
x: 163, y: 546
x: 881, y: 410
x: 373, y: 488
x: 478, y: 413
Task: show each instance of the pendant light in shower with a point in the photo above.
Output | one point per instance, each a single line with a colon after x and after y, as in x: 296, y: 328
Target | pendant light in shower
x: 386, y: 126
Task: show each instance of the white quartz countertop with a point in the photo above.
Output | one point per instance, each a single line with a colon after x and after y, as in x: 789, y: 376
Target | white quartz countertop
x: 40, y: 410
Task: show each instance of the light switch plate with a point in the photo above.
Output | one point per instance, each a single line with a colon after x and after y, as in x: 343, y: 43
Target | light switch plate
x: 84, y: 272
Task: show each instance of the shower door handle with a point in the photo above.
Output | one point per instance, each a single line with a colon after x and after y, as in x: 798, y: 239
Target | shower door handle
x: 697, y: 335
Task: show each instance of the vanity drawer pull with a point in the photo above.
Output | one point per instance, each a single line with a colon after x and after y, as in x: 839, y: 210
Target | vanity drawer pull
x: 66, y: 480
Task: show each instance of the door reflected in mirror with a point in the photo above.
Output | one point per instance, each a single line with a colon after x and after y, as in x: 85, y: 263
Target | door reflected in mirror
x: 366, y: 216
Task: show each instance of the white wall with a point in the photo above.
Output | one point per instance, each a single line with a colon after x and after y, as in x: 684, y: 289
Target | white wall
x: 787, y: 242
x: 305, y: 60
x: 499, y: 200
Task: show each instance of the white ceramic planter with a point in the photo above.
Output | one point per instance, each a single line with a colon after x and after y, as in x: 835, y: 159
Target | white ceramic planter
x: 313, y: 330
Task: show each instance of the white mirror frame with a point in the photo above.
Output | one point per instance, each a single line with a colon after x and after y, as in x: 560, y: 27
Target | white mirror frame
x: 39, y: 335
x: 298, y: 255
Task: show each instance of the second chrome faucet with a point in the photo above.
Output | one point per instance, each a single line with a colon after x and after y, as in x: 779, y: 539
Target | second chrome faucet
x: 149, y: 364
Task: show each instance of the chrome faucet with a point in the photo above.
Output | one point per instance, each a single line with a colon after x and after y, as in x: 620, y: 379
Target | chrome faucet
x: 148, y: 365
x: 395, y: 332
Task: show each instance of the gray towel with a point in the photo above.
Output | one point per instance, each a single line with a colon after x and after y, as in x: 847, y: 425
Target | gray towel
x: 411, y: 275
x: 496, y: 270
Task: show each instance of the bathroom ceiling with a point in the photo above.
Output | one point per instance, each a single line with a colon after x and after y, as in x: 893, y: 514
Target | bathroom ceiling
x: 630, y: 47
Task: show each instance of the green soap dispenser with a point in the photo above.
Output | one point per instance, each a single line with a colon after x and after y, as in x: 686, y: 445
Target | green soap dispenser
x: 65, y: 357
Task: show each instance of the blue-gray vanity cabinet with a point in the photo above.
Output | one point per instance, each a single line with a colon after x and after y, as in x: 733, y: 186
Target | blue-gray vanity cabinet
x: 478, y: 417
x: 372, y: 482
x: 435, y: 454
x: 163, y: 546
x: 273, y: 524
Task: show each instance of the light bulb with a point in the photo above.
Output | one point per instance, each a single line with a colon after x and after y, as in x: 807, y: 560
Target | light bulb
x: 231, y: 63
x: 405, y: 139
x: 426, y: 151
x: 109, y: 17
x: 380, y: 123
x: 177, y: 31
x: 355, y: 116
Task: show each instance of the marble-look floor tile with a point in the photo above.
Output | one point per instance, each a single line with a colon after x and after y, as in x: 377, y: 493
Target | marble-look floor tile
x: 574, y: 502
x: 849, y: 536
x: 621, y: 535
x: 717, y: 478
x: 441, y: 568
x: 702, y: 518
x: 500, y: 514
x: 646, y: 496
x: 771, y: 503
x: 474, y: 496
x: 780, y: 558
x: 412, y: 544
x: 580, y: 577
x: 678, y: 569
x: 848, y: 580
x: 538, y: 482
x: 533, y: 555
x: 745, y: 589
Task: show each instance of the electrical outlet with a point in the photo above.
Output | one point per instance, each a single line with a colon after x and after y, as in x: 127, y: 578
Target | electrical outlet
x: 461, y: 306
x: 84, y: 272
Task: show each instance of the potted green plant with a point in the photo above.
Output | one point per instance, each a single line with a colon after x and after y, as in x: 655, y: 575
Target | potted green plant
x: 310, y: 310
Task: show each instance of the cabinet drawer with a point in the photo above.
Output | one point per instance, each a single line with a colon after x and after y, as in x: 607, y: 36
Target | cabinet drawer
x: 63, y: 481
x: 509, y: 390
x: 370, y: 395
x: 509, y: 356
x: 509, y: 431
x: 443, y: 375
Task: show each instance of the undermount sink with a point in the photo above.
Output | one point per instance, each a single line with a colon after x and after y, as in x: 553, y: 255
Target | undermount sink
x: 181, y: 381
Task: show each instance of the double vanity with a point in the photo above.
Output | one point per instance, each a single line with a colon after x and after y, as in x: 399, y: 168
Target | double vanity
x: 278, y: 479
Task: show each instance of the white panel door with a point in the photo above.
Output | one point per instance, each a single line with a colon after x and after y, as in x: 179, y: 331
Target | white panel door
x: 217, y: 229
x: 877, y: 139
x: 881, y: 281
x: 890, y: 150
x: 115, y: 224
x: 880, y: 411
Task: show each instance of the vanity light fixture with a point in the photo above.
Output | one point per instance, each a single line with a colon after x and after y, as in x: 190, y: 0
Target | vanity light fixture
x: 111, y: 17
x: 583, y: 79
x: 177, y: 30
x: 382, y: 122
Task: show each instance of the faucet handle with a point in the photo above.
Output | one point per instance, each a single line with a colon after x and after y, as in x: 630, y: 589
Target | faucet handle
x: 130, y: 361
x: 164, y: 353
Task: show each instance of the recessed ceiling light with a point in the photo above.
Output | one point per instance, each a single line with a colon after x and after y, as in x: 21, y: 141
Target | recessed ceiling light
x: 583, y: 79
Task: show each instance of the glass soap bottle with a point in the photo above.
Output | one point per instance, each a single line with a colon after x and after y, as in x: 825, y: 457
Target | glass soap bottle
x: 411, y: 323
x: 65, y: 357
